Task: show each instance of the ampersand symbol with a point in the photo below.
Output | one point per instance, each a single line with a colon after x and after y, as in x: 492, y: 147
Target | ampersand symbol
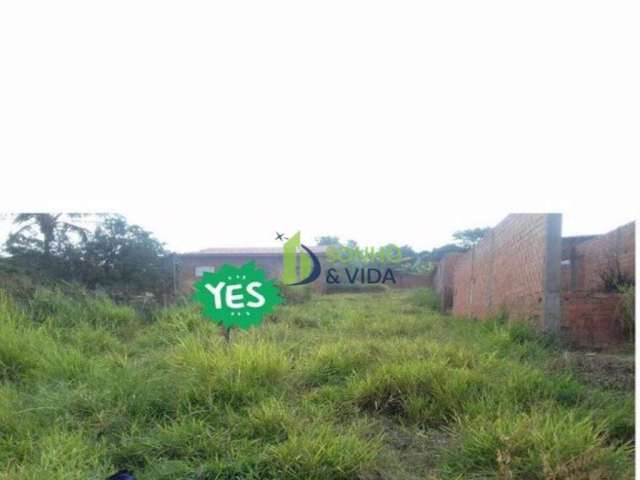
x: 332, y: 276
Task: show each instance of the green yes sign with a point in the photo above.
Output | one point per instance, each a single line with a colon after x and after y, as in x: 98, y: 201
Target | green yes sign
x: 236, y: 296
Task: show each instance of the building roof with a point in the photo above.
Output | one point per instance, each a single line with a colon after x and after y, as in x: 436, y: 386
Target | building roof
x: 246, y: 251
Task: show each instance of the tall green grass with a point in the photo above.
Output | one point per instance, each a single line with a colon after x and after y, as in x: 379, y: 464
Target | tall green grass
x: 326, y: 389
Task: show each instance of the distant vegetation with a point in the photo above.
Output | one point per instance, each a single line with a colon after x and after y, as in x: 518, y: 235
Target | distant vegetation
x: 468, y: 238
x: 104, y: 253
x: 112, y: 256
x: 372, y: 386
x: 421, y: 263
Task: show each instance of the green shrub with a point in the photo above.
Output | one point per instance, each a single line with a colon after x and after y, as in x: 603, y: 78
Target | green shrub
x: 612, y: 277
x: 425, y: 298
x: 627, y: 308
x: 60, y: 309
x: 295, y: 295
x: 18, y: 286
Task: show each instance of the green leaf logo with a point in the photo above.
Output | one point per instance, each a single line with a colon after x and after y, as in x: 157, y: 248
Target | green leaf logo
x: 236, y: 296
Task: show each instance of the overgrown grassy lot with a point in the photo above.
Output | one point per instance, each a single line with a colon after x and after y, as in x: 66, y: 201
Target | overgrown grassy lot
x: 369, y: 386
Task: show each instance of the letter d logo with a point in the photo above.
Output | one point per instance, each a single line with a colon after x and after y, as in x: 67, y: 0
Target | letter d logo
x: 309, y: 263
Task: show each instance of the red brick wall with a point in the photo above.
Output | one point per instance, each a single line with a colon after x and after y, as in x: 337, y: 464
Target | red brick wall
x: 506, y: 269
x: 590, y: 319
x: 407, y: 280
x: 272, y: 265
x: 443, y: 278
x: 589, y: 314
x: 509, y: 268
x: 588, y: 260
x: 569, y: 245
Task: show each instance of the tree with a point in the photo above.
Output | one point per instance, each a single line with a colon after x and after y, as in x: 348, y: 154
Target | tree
x: 46, y: 245
x: 126, y: 259
x: 408, y: 252
x: 469, y: 237
x: 40, y: 232
x: 438, y: 253
x: 327, y: 241
x: 121, y: 258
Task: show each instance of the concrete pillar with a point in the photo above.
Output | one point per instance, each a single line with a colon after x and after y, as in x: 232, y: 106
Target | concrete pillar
x: 551, y: 281
x: 490, y: 281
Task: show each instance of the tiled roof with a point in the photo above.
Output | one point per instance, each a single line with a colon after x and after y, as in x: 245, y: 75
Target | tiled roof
x: 248, y: 251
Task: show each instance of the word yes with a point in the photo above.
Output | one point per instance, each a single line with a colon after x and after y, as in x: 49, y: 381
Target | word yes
x: 236, y: 300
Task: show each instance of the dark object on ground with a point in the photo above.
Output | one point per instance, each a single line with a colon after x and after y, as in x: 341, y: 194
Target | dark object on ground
x: 122, y: 475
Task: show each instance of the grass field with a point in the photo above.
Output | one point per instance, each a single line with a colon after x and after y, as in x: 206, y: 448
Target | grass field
x: 369, y: 386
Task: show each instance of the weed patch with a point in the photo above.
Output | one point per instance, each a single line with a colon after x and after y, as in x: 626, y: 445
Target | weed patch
x: 347, y: 386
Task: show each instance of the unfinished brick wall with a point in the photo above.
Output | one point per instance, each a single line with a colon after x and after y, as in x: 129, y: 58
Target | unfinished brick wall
x: 568, y: 271
x: 443, y: 279
x: 589, y: 260
x: 516, y: 268
x: 408, y: 280
x: 590, y: 315
x: 591, y: 319
x: 524, y: 267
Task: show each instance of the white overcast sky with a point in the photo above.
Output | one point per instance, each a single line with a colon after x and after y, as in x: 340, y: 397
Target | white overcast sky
x: 218, y: 123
